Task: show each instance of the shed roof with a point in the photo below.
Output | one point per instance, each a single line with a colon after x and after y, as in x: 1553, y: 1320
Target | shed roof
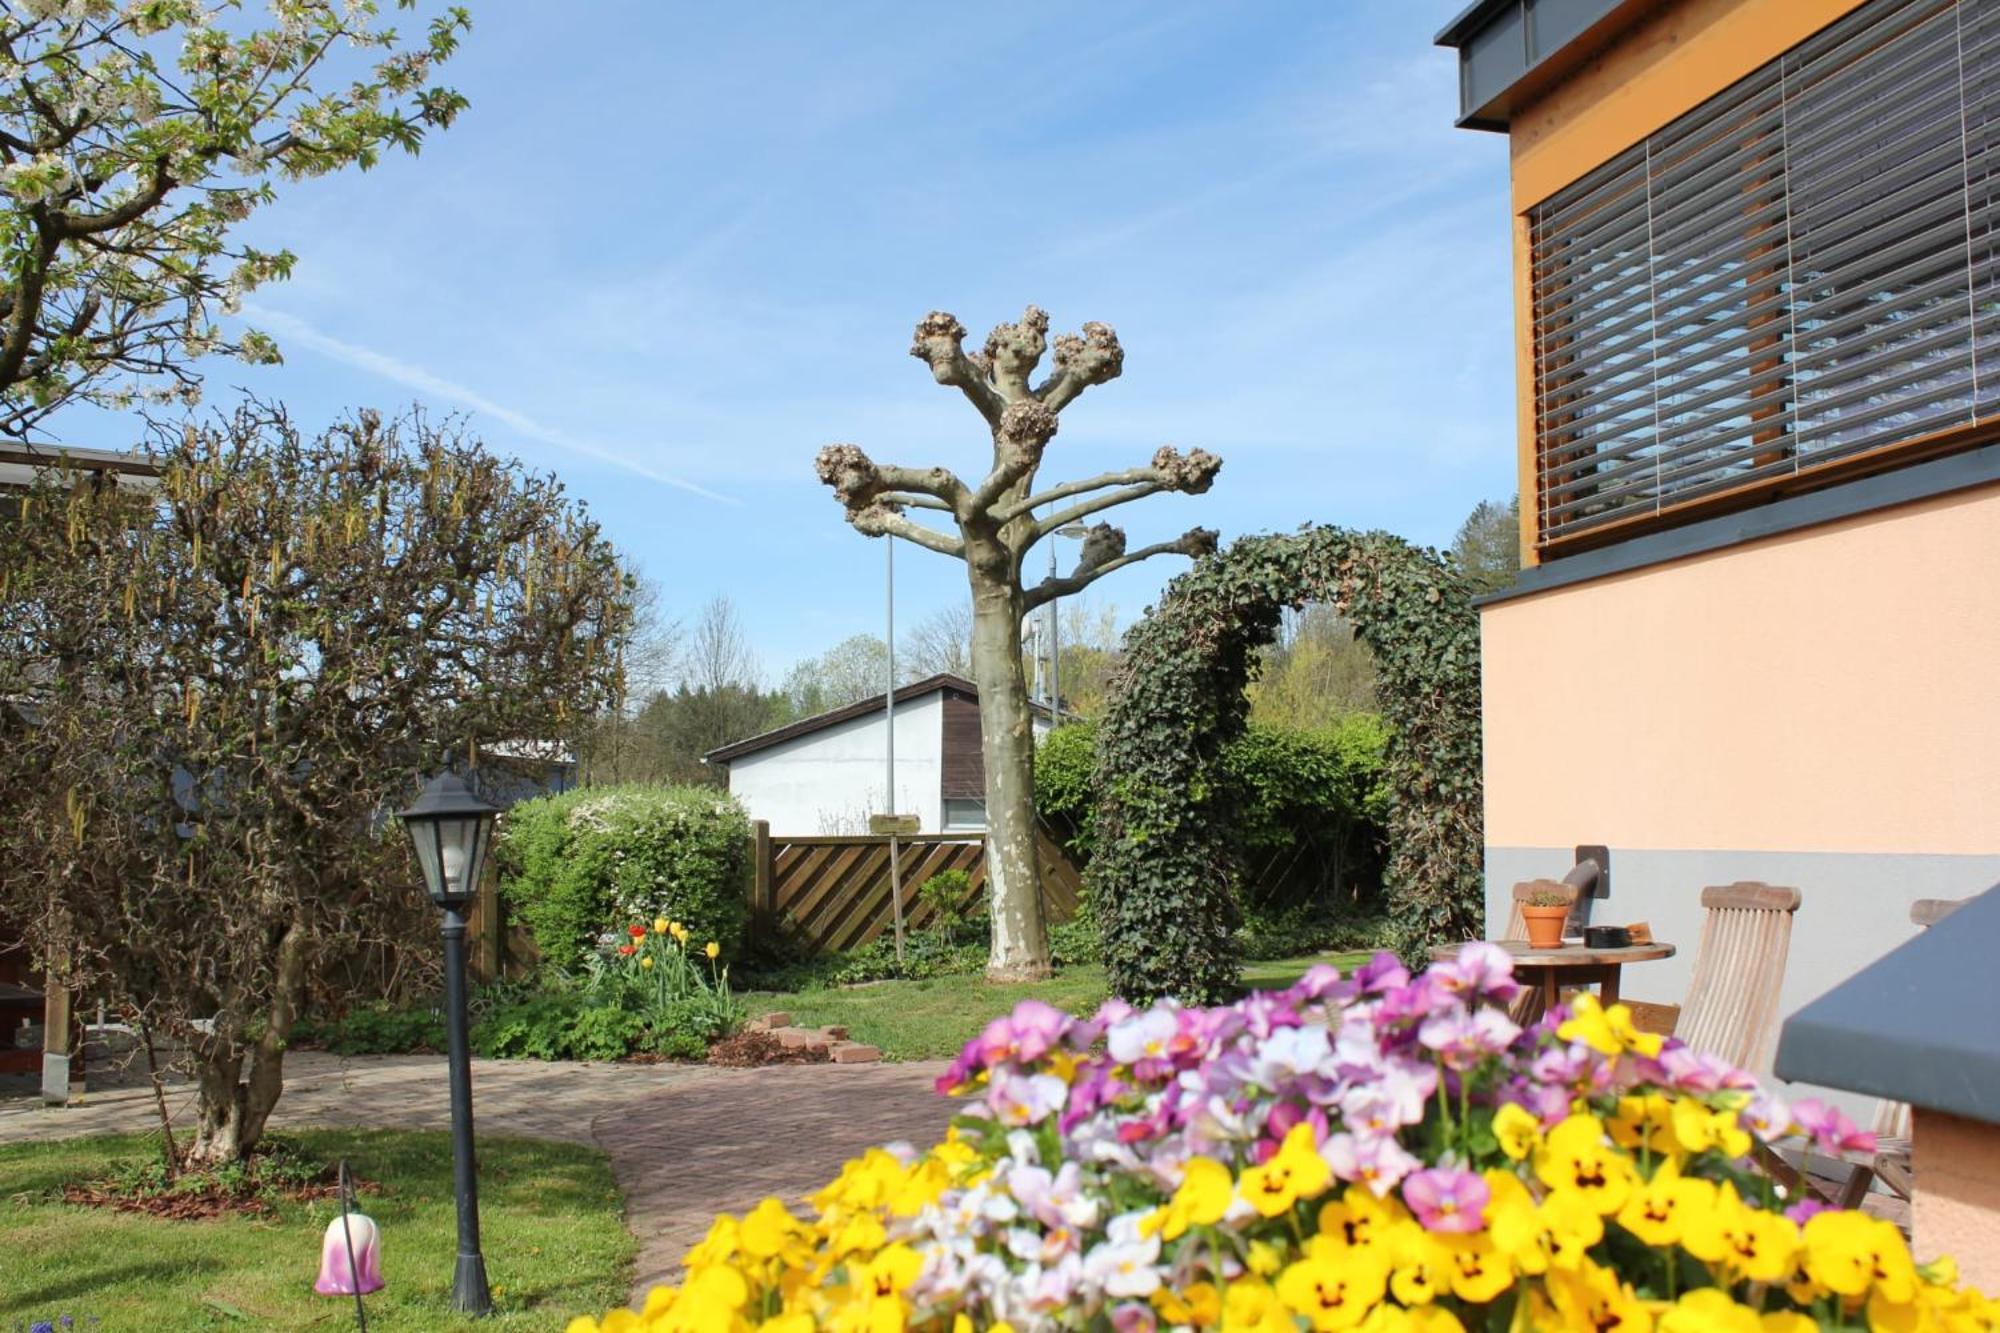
x: 860, y: 708
x: 1917, y: 1025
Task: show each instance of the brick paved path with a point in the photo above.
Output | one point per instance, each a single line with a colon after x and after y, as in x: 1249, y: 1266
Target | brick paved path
x: 723, y: 1140
x: 685, y: 1141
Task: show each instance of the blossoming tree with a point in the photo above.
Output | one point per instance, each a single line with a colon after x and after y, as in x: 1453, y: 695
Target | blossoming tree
x: 215, y: 691
x: 994, y: 522
x: 136, y: 137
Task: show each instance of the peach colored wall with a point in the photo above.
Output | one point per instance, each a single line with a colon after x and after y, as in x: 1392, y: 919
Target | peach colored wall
x: 1956, y: 1210
x: 1828, y: 690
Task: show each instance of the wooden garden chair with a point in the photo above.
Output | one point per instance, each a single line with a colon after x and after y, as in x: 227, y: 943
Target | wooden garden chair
x: 1890, y: 1162
x: 1517, y: 926
x: 1731, y: 1008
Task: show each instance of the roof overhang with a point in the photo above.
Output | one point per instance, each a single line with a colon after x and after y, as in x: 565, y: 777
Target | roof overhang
x: 20, y: 461
x: 1916, y: 1025
x: 1510, y: 52
x: 861, y: 708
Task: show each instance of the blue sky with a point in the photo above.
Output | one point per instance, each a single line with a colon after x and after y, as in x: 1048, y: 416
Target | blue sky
x: 673, y: 249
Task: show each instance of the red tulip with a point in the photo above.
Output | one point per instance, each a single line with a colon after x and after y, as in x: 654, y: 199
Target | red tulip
x: 636, y: 932
x: 627, y: 950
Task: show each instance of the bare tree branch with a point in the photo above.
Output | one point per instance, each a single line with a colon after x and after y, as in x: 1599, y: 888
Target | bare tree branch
x: 1014, y: 350
x: 1062, y: 518
x: 939, y: 341
x: 1008, y: 513
x: 1195, y: 542
x: 879, y: 520
x: 1094, y: 357
x: 1025, y: 429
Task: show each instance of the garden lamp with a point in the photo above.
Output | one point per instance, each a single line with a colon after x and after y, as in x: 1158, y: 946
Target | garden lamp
x: 451, y: 828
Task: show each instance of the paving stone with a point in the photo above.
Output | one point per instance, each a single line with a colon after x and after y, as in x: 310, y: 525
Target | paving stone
x: 835, y: 1033
x: 771, y: 1021
x: 854, y: 1053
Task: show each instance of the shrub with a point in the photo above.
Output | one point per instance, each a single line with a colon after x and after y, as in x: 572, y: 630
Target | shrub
x: 377, y: 1029
x: 1374, y: 1152
x: 945, y: 893
x: 1315, y: 927
x: 571, y: 863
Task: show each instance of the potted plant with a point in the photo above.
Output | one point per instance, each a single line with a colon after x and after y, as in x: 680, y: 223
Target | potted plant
x: 1544, y: 913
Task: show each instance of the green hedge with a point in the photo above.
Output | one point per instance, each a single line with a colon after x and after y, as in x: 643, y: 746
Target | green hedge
x: 1310, y: 808
x: 585, y: 863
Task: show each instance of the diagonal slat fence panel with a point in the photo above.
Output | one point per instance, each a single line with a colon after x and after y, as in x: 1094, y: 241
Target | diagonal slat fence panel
x: 833, y: 892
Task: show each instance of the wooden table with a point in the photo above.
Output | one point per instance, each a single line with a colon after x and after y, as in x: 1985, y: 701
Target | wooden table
x: 1547, y: 972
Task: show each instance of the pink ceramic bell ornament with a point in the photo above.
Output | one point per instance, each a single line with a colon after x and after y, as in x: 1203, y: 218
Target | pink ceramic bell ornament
x: 345, y: 1274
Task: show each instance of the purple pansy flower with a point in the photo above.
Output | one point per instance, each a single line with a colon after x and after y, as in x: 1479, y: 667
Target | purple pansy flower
x: 1446, y: 1199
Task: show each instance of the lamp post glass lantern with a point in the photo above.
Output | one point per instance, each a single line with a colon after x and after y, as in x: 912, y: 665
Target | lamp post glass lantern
x: 450, y: 829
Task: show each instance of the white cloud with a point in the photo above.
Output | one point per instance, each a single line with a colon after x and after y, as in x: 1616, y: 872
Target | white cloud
x: 293, y: 330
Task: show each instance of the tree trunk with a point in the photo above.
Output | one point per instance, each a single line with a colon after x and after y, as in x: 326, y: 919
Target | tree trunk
x: 232, y: 1106
x: 1007, y: 749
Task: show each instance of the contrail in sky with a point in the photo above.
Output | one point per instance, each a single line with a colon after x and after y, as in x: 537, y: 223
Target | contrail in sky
x: 292, y: 329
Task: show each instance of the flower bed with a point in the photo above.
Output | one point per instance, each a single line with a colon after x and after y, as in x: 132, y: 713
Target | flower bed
x: 1378, y: 1152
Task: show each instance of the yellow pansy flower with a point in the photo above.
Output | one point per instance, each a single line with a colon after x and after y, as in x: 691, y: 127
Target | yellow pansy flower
x: 1656, y: 1210
x: 769, y: 1230
x: 1518, y: 1130
x: 1422, y: 1266
x: 1607, y: 1031
x: 1708, y: 1310
x: 1698, y: 1129
x: 1205, y: 1193
x: 1263, y: 1259
x: 1594, y: 1298
x: 1576, y: 1157
x: 1249, y: 1305
x: 1333, y: 1287
x: 1479, y: 1272
x: 1848, y: 1252
x: 1198, y: 1304
x: 1571, y: 1225
x: 1296, y: 1171
x: 1643, y: 1122
x: 1359, y: 1220
x: 1744, y: 1242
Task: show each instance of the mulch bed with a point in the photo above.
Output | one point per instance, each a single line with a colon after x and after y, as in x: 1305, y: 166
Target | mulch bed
x: 194, y: 1203
x: 750, y: 1048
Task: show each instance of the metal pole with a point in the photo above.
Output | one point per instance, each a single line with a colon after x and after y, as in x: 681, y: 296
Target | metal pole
x: 889, y: 710
x: 1055, y: 646
x: 469, y: 1294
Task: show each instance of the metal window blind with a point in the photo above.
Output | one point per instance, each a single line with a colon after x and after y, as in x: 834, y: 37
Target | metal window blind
x: 1804, y: 268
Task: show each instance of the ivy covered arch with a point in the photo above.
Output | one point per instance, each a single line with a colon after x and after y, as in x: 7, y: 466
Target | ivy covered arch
x: 1164, y: 873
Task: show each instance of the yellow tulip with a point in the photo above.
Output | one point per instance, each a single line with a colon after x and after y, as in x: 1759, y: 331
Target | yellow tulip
x: 660, y: 924
x: 713, y: 950
x: 646, y: 962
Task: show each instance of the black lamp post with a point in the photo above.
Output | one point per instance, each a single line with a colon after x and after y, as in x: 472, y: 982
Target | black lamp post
x: 451, y: 829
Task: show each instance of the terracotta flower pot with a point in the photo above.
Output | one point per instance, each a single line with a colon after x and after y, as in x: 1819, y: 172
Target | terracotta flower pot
x: 1545, y: 925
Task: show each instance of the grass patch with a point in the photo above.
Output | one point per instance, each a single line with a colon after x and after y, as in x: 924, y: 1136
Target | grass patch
x: 550, y: 1221
x: 932, y: 1019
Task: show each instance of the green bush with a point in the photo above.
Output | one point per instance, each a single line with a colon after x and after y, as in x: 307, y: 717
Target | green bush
x: 1309, y: 807
x: 377, y: 1029
x: 1313, y: 927
x: 944, y: 893
x: 579, y: 866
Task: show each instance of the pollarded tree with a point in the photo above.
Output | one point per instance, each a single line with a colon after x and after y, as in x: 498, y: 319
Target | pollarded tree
x: 996, y: 522
x: 136, y: 136
x: 218, y: 687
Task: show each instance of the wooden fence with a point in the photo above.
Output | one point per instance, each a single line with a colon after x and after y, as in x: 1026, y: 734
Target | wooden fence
x: 834, y: 891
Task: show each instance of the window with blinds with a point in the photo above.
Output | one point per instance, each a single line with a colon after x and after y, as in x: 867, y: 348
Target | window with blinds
x: 1798, y: 279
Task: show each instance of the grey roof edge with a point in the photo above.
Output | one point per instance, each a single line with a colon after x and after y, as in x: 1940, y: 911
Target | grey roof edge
x: 1921, y: 481
x: 1916, y: 1025
x: 833, y: 717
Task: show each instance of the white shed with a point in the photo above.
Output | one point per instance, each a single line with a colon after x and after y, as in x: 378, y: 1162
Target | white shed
x: 826, y: 774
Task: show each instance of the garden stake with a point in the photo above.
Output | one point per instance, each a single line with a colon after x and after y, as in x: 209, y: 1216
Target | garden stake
x: 346, y: 1191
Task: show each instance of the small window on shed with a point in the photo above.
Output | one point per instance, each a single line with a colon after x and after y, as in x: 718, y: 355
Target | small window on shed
x: 964, y: 814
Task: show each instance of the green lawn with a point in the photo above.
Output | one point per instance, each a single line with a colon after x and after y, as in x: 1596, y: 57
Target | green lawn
x: 553, y: 1237
x: 933, y: 1019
